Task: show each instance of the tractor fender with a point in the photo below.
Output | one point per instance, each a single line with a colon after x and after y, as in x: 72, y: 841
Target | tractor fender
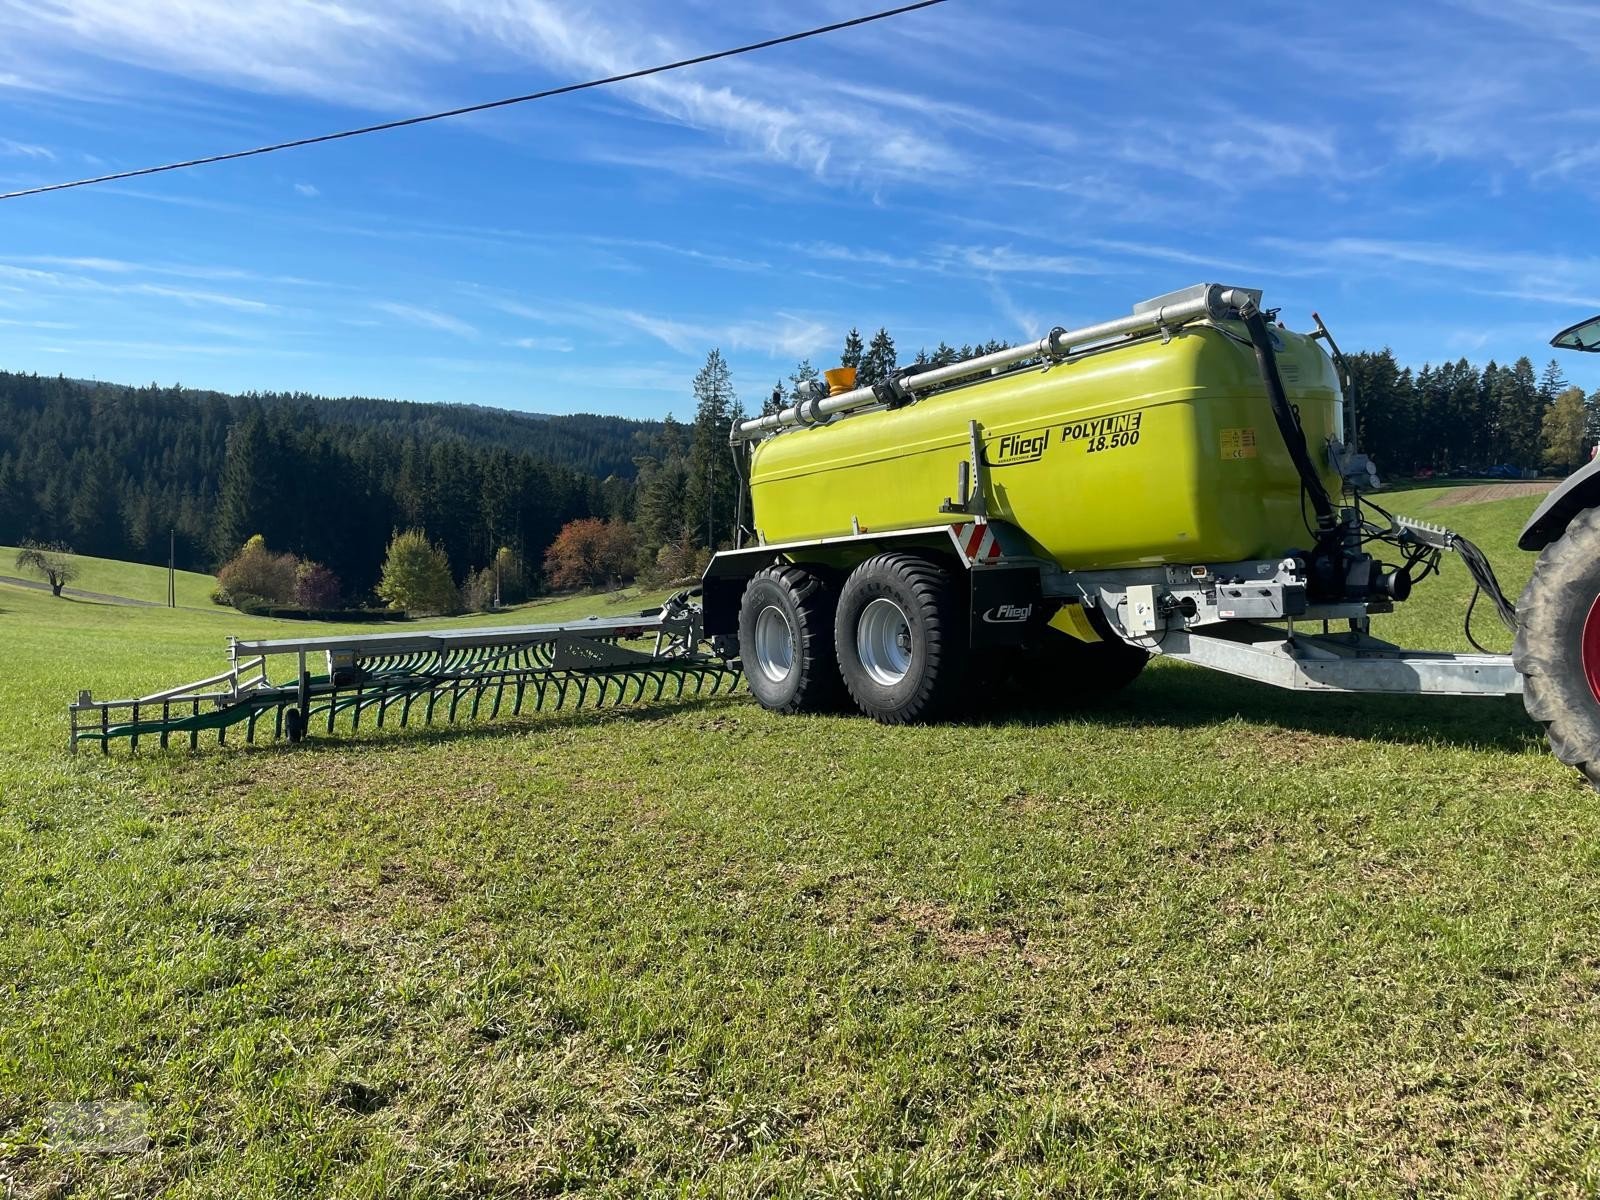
x: 1578, y: 491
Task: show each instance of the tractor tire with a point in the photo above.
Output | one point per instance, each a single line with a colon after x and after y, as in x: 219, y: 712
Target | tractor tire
x: 901, y: 638
x: 1557, y: 649
x: 786, y: 641
x: 1057, y: 671
x: 294, y: 726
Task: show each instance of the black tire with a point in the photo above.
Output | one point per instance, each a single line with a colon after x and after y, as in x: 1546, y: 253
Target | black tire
x: 805, y: 602
x: 294, y: 726
x: 1056, y: 671
x: 928, y: 639
x: 1558, y: 607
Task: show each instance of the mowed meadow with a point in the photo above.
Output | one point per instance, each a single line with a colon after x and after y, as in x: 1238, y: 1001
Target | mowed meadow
x: 1206, y: 939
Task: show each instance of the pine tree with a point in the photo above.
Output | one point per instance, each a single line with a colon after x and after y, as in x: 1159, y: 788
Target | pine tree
x: 879, y: 361
x: 244, y: 500
x: 1552, y: 382
x: 804, y: 372
x: 711, y: 489
x: 853, y: 349
x: 1528, y: 425
x: 95, y: 512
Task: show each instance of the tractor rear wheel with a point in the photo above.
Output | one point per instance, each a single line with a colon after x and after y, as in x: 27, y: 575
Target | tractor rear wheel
x: 1558, y: 644
x: 786, y: 640
x: 900, y: 638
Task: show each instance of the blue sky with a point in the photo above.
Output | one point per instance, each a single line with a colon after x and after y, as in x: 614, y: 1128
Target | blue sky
x: 1424, y: 175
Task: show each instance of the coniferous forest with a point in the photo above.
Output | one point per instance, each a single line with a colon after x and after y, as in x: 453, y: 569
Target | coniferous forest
x: 111, y: 469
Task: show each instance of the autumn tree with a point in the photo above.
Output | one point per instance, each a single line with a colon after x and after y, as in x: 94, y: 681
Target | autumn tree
x: 51, y: 561
x: 416, y: 575
x: 255, y: 572
x: 1565, y: 429
x: 316, y: 587
x: 591, y: 553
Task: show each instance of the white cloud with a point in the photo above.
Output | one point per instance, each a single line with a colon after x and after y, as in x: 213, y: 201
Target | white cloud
x: 783, y: 334
x: 59, y: 281
x: 292, y: 47
x: 307, y: 189
x: 557, y: 345
x: 426, y: 317
x: 26, y: 150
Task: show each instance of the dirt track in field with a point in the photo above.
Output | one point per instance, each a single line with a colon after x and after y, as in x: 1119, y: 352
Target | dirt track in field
x: 1480, y: 493
x: 72, y: 593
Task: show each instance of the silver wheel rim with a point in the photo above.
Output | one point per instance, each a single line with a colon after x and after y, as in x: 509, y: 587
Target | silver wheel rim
x: 883, y: 642
x: 774, y: 644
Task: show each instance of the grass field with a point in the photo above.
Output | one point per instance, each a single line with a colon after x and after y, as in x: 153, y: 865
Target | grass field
x: 1211, y: 939
x: 114, y: 578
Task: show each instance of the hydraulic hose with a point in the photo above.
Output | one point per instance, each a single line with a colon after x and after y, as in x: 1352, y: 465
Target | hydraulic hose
x: 1294, y: 438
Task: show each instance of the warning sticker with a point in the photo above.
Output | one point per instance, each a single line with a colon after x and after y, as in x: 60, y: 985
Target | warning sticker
x: 1238, y: 443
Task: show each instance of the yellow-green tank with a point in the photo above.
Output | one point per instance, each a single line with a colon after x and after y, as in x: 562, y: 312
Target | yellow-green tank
x: 1147, y: 452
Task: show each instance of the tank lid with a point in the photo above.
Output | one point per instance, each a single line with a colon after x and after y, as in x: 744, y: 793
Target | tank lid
x: 1187, y: 295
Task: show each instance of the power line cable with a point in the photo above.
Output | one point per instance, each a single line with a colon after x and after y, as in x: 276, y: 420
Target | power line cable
x: 485, y: 106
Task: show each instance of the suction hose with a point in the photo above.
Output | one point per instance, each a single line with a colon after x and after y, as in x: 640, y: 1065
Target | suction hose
x: 1294, y: 438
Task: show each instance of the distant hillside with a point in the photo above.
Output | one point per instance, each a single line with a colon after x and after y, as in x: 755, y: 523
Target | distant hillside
x: 110, y: 469
x: 588, y: 442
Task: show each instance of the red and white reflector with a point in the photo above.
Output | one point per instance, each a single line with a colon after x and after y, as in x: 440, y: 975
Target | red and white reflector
x: 975, y: 542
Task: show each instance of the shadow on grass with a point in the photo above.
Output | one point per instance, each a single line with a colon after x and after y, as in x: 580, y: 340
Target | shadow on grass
x: 369, y: 739
x: 1163, y: 698
x: 1171, y: 698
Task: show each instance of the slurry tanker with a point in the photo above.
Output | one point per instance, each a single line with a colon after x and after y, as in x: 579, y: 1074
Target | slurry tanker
x: 1038, y: 521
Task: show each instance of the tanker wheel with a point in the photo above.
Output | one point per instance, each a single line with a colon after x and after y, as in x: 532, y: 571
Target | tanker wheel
x: 1056, y: 670
x: 786, y: 641
x: 294, y: 726
x: 900, y: 638
x: 1558, y: 644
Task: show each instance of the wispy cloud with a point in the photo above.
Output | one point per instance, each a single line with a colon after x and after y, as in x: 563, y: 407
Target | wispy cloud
x: 300, y: 47
x: 81, y: 283
x: 952, y: 259
x: 26, y: 150
x: 783, y: 333
x: 307, y: 189
x: 428, y: 318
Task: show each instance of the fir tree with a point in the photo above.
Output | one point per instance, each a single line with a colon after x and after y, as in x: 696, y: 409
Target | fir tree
x: 711, y: 488
x: 804, y: 372
x: 879, y: 361
x: 853, y: 349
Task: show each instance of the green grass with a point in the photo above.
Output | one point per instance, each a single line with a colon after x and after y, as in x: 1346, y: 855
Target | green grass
x: 1211, y: 939
x: 136, y: 581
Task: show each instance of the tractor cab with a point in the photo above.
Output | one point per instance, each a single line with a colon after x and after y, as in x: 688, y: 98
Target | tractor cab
x: 1585, y: 335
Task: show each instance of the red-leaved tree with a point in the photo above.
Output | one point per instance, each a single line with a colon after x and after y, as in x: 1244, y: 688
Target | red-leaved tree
x: 591, y: 553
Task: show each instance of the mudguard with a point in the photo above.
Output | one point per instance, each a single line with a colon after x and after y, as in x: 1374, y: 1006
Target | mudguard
x: 1578, y: 491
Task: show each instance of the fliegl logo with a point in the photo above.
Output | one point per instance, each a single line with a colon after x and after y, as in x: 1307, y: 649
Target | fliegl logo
x: 1016, y: 448
x: 1008, y: 614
